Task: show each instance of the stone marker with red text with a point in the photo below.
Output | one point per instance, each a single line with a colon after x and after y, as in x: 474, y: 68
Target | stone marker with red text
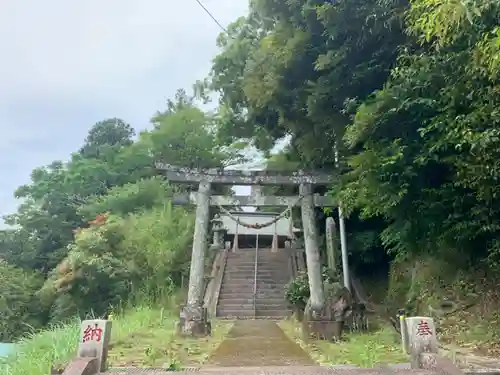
x: 94, y: 341
x: 421, y: 337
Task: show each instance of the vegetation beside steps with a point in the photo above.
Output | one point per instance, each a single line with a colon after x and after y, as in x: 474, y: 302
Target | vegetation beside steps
x: 141, y: 337
x: 379, y: 346
x: 156, y: 344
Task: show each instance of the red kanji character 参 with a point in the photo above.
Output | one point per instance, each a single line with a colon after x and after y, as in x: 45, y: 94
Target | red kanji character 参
x: 423, y: 329
x: 92, y: 334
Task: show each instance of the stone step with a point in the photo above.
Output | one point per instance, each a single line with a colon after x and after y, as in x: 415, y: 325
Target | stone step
x: 280, y: 284
x: 239, y: 278
x: 276, y: 283
x: 245, y: 300
x: 262, y: 273
x: 237, y: 287
x: 260, y: 260
x: 275, y: 273
x: 263, y: 249
x: 272, y: 307
x: 235, y: 290
x: 272, y: 284
x: 239, y: 282
x: 249, y: 300
x: 271, y: 300
x: 271, y: 293
x: 260, y: 279
x: 267, y: 287
x: 235, y: 300
x: 237, y: 269
x: 235, y: 307
x: 248, y: 294
x: 270, y: 289
x: 269, y: 315
x: 263, y: 285
x: 235, y: 296
x: 277, y: 318
x: 273, y: 279
x: 235, y: 313
x: 275, y: 313
x: 244, y: 260
x: 261, y: 297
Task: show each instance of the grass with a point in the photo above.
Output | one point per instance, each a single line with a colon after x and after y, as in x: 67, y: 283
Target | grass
x: 360, y: 349
x: 37, y: 353
x: 155, y: 344
x: 142, y: 336
x: 469, y: 333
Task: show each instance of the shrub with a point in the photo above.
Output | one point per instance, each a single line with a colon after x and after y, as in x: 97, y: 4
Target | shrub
x: 139, y: 257
x: 297, y: 291
x: 19, y: 307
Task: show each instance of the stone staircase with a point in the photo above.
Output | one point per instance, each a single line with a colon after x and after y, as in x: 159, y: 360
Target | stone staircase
x: 236, y: 298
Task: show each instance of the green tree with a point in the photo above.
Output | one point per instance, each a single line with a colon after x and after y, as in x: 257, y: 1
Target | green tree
x: 111, y: 132
x: 19, y: 310
x: 142, y: 195
x: 101, y: 227
x: 289, y: 68
x: 429, y: 140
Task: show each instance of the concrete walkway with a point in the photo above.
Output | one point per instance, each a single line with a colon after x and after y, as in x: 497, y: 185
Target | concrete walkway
x: 258, y: 343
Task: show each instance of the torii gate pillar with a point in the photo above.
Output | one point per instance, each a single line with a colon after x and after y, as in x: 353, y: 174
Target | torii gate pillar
x: 193, y: 319
x: 317, y: 297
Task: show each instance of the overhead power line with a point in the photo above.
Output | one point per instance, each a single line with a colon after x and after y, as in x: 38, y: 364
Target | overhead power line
x: 211, y: 16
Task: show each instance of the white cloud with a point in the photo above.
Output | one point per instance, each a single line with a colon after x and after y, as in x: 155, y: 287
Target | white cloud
x: 56, y: 47
x: 67, y: 64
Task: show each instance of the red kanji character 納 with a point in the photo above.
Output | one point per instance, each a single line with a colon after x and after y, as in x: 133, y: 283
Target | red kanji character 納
x: 423, y: 329
x: 92, y: 334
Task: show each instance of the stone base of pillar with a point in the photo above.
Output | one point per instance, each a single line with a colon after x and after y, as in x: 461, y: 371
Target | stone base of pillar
x: 328, y: 323
x: 193, y: 322
x: 320, y: 325
x: 215, y: 247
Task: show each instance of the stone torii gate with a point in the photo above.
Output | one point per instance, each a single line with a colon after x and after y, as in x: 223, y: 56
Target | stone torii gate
x: 193, y: 318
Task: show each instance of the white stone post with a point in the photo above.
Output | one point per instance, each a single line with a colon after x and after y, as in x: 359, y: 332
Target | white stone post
x: 421, y: 338
x: 404, y: 330
x: 331, y: 243
x: 94, y: 341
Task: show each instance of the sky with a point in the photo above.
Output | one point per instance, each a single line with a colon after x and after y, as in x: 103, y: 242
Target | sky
x: 66, y: 65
